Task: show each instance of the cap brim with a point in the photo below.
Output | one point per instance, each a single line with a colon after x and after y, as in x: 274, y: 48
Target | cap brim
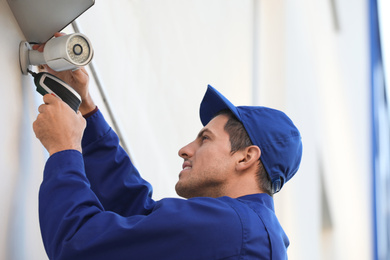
x: 212, y: 103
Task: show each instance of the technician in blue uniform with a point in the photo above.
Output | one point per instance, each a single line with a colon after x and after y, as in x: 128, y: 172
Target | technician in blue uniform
x: 93, y: 204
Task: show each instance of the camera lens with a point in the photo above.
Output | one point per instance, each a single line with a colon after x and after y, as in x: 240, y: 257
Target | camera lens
x: 79, y: 49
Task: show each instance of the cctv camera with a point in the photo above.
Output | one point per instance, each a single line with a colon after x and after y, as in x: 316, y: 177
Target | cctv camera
x: 62, y: 53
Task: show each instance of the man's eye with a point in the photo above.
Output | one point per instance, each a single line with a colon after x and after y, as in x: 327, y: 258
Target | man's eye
x: 205, y: 137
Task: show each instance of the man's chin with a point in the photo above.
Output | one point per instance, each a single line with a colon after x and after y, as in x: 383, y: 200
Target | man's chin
x: 183, y: 191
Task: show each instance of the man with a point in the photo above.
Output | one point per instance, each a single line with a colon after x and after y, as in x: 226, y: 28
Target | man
x: 95, y: 205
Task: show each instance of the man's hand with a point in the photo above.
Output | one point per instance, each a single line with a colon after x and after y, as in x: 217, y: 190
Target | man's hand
x: 57, y: 126
x: 77, y: 79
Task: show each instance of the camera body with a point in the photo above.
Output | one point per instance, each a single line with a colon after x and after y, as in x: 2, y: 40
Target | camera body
x: 62, y: 53
x: 68, y: 52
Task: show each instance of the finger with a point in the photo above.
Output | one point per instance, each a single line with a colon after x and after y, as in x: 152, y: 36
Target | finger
x: 41, y: 108
x: 35, y: 127
x: 50, y: 99
x: 41, y: 48
x: 79, y: 73
x: 46, y: 68
x: 51, y: 71
x: 83, y: 69
x: 38, y: 125
x: 41, y: 68
x: 38, y: 47
x: 59, y: 34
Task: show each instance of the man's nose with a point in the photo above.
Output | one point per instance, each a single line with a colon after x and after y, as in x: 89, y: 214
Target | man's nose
x: 186, y: 151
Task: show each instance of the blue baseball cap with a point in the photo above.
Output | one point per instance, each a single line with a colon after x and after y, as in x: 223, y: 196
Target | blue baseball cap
x: 271, y: 130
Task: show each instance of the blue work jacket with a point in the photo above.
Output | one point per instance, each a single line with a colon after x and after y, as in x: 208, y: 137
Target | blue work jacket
x: 95, y: 205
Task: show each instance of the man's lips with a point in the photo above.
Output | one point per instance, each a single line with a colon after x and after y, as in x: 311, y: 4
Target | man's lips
x: 186, y: 166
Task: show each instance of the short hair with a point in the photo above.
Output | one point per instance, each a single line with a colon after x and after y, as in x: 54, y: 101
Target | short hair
x: 239, y: 139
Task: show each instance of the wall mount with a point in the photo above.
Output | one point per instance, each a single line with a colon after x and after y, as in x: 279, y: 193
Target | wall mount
x: 24, y: 49
x: 40, y: 19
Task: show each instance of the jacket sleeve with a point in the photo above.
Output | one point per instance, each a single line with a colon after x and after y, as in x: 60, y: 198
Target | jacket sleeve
x: 112, y: 176
x: 75, y: 225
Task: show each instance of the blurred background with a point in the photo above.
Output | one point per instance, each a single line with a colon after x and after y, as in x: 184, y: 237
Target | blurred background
x: 323, y: 62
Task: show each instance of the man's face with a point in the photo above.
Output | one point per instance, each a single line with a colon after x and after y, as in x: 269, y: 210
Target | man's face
x: 208, y: 162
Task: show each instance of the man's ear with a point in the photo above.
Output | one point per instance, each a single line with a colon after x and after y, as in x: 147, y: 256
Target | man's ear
x: 249, y: 157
